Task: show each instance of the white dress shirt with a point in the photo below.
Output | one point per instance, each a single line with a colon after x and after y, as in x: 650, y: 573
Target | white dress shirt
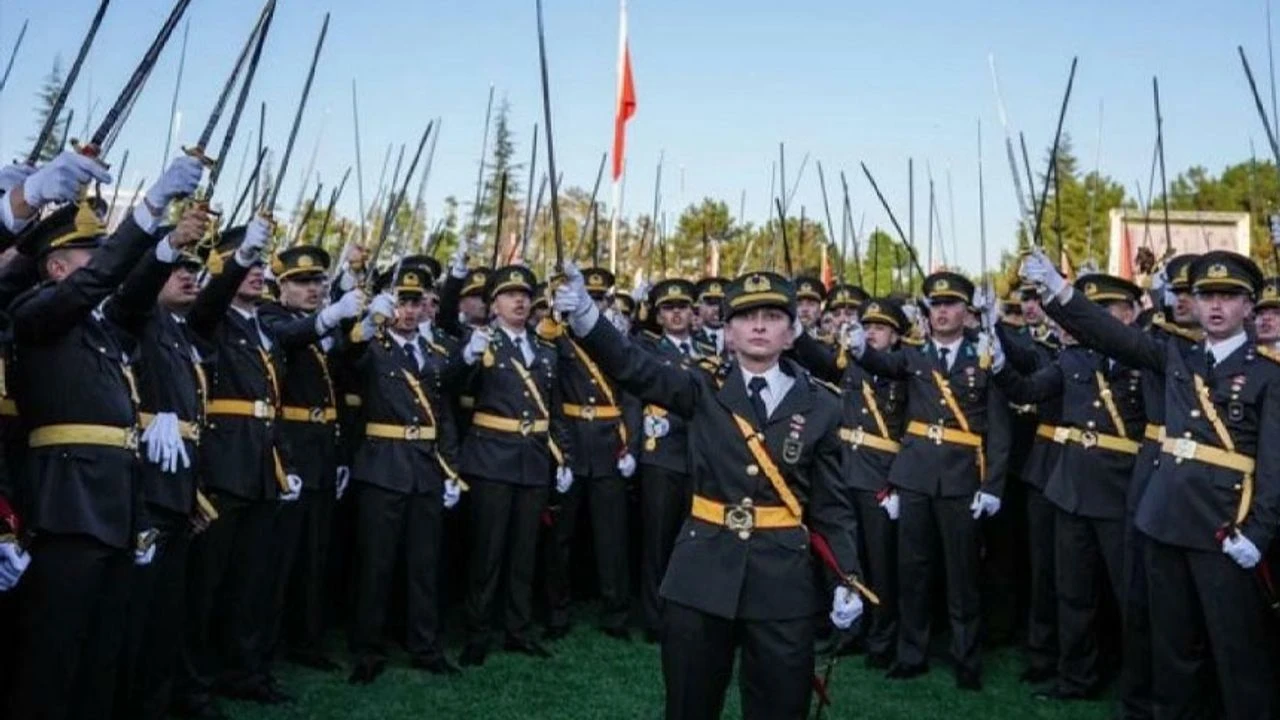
x: 1222, y: 349
x: 410, y: 343
x: 523, y: 344
x: 779, y: 383
x: 952, y: 348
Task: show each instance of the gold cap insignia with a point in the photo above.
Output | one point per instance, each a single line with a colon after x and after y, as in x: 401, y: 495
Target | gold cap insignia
x: 942, y: 284
x: 515, y: 276
x: 411, y: 280
x: 1183, y: 273
x: 756, y: 283
x: 1090, y: 288
x: 715, y: 288
x: 873, y: 308
x: 305, y: 262
x: 1270, y: 293
x: 672, y: 290
x: 806, y: 287
x: 1217, y: 271
x: 595, y: 279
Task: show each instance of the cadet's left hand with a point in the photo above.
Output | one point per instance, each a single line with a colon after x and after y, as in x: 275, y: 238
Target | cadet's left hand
x: 295, y: 488
x: 144, y: 550
x: 452, y: 493
x: 627, y: 465
x: 1242, y: 550
x: 180, y: 179
x: 564, y: 479
x: 13, y: 562
x: 984, y: 504
x: 571, y: 296
x: 347, y: 307
x: 14, y: 175
x: 891, y: 504
x: 344, y: 478
x: 164, y: 443
x: 846, y: 607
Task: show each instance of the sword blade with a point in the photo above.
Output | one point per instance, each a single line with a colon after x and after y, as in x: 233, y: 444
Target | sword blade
x: 551, y: 148
x: 13, y: 54
x: 55, y: 110
x: 270, y: 204
x: 234, y: 123
x: 249, y: 44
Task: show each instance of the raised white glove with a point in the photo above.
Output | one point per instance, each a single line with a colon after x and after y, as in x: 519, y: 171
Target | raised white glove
x: 384, y: 305
x: 989, y: 345
x: 145, y: 550
x: 344, y: 479
x: 458, y: 260
x: 13, y: 562
x: 180, y: 179
x: 60, y: 179
x: 1038, y: 268
x: 846, y: 607
x: 571, y: 296
x: 855, y: 339
x: 891, y: 504
x: 1160, y: 280
x: 256, y: 236
x: 11, y: 176
x: 627, y: 465
x: 984, y: 504
x: 1242, y: 550
x: 477, y: 344
x: 452, y: 493
x: 348, y: 306
x: 642, y: 291
x: 564, y: 479
x: 295, y: 488
x: 991, y: 311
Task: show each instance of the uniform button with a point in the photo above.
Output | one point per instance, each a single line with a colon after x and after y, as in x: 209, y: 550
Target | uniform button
x: 753, y: 470
x: 1097, y: 403
x: 1186, y: 434
x: 1237, y: 486
x: 1195, y: 413
x: 864, y: 411
x: 1090, y: 424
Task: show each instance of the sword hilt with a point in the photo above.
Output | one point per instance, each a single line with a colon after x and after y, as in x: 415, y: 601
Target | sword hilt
x: 90, y: 150
x: 197, y: 152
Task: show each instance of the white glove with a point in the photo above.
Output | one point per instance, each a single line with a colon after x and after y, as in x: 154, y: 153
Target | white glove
x: 891, y: 505
x: 991, y: 311
x: 984, y: 504
x: 11, y: 176
x: 846, y: 607
x: 344, y: 479
x: 180, y: 179
x: 642, y: 291
x: 60, y: 179
x: 1038, y: 268
x: 1275, y: 229
x: 458, y: 260
x: 564, y: 479
x: 476, y: 345
x: 383, y: 304
x: 255, y: 239
x: 144, y: 555
x: 627, y: 465
x: 164, y: 443
x: 347, y: 307
x: 1160, y: 280
x: 1242, y: 550
x: 13, y: 562
x: 347, y: 280
x: 855, y: 339
x: 571, y: 296
x: 295, y: 488
x: 989, y: 345
x: 452, y: 493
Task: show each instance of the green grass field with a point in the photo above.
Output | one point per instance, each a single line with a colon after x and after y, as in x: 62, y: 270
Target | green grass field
x: 593, y: 676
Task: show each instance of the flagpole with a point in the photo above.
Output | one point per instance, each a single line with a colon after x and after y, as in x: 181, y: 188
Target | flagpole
x: 622, y: 112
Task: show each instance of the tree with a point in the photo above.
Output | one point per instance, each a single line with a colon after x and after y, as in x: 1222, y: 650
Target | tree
x: 1250, y: 186
x: 1074, y: 221
x: 501, y: 162
x: 47, y: 96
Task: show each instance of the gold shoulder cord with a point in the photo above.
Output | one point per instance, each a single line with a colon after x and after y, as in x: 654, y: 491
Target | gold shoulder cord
x: 536, y: 394
x: 869, y: 397
x: 1224, y: 437
x: 324, y: 369
x: 765, y: 461
x: 594, y: 371
x: 1104, y: 390
x: 431, y: 418
x: 949, y: 397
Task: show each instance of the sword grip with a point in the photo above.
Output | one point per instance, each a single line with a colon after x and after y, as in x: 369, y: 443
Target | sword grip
x: 197, y: 152
x: 89, y: 150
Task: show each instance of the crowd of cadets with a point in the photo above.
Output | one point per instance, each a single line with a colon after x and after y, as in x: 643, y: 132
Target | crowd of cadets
x: 214, y: 453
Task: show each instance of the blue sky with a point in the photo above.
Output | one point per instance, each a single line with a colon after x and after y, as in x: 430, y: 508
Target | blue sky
x: 720, y: 83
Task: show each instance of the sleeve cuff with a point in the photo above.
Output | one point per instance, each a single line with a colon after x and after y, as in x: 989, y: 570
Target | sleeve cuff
x: 13, y: 224
x: 584, y: 323
x: 165, y: 252
x: 145, y: 220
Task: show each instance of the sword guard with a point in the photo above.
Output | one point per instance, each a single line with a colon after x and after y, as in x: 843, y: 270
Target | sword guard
x: 198, y: 153
x: 89, y: 150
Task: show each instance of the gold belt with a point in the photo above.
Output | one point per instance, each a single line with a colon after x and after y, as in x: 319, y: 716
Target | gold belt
x: 186, y: 429
x: 125, y: 438
x: 260, y: 409
x: 1047, y: 432
x: 309, y: 415
x: 509, y: 425
x: 857, y: 437
x: 1089, y: 439
x: 940, y: 434
x: 1188, y: 449
x: 385, y: 431
x: 592, y: 412
x: 745, y: 516
x: 1154, y: 433
x: 8, y: 407
x: 352, y: 400
x: 466, y: 402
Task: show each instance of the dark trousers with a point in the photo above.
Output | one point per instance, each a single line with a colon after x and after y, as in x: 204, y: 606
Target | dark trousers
x: 879, y: 538
x: 228, y: 589
x: 504, y: 534
x: 697, y: 661
x: 923, y: 521
x: 605, y: 499
x: 300, y: 540
x: 1086, y: 549
x: 157, y: 600
x: 385, y: 522
x: 76, y: 595
x: 1135, y: 680
x: 1002, y: 556
x: 664, y: 498
x: 1042, y: 608
x: 1196, y: 596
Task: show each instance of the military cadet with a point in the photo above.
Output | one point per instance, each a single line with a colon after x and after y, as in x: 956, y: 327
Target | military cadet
x: 463, y: 303
x: 245, y: 466
x: 76, y: 392
x: 764, y: 454
x: 1214, y: 498
x: 602, y: 426
x: 844, y: 302
x: 306, y: 334
x: 1102, y: 419
x: 541, y: 305
x: 810, y: 294
x: 404, y: 475
x: 624, y: 308
x: 664, y: 457
x: 171, y: 391
x: 1266, y: 314
x: 874, y: 417
x: 709, y: 338
x: 516, y: 444
x: 949, y: 474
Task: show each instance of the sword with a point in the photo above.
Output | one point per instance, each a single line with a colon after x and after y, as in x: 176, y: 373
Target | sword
x: 484, y: 147
x: 216, y: 115
x: 786, y: 246
x: 1053, y: 154
x: 333, y: 200
x: 527, y: 226
x: 13, y: 54
x: 497, y: 222
x: 892, y: 218
x: 586, y: 216
x: 393, y: 204
x: 234, y: 123
x: 55, y: 110
x: 551, y: 149
x: 268, y: 206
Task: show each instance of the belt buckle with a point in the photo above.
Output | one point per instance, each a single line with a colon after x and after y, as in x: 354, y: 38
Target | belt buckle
x: 131, y: 438
x: 526, y: 427
x: 316, y: 415
x: 195, y: 433
x: 856, y: 438
x: 1061, y: 435
x: 1089, y: 439
x: 412, y: 432
x: 935, y: 433
x: 741, y: 518
x: 1185, y: 449
x: 588, y: 412
x: 260, y: 408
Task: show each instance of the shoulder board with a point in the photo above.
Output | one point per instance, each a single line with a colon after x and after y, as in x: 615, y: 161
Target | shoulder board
x: 1269, y: 353
x: 548, y: 343
x: 1193, y: 335
x: 829, y: 387
x: 913, y: 342
x: 651, y: 335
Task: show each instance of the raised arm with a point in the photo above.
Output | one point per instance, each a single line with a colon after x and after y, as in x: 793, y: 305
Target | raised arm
x: 211, y: 304
x: 637, y: 372
x: 818, y: 358
x: 1094, y: 327
x: 1020, y: 353
x: 890, y: 364
x: 1032, y: 388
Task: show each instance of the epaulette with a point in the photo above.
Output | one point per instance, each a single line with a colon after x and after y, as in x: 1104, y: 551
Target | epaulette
x: 913, y: 342
x: 650, y: 335
x: 1269, y: 353
x: 829, y: 387
x: 1159, y: 322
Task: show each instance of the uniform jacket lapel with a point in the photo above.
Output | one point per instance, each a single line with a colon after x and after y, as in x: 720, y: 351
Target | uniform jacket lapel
x: 733, y: 396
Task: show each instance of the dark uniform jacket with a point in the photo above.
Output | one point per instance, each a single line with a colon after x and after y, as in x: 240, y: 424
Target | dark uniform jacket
x: 1027, y: 350
x: 866, y: 468
x: 769, y: 575
x: 1189, y: 502
x: 1090, y: 482
x: 597, y: 442
x: 72, y: 367
x: 666, y: 434
x: 944, y: 469
x: 384, y: 370
x: 515, y: 457
x: 307, y: 385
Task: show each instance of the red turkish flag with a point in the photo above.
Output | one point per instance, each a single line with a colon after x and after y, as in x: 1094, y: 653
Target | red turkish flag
x: 626, y: 106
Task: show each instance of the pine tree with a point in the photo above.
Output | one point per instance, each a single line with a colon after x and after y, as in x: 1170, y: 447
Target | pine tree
x: 500, y: 161
x: 47, y: 96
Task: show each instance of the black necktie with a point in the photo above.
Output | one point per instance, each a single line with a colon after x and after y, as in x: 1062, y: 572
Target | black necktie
x: 684, y: 349
x: 412, y: 352
x: 755, y: 385
x: 519, y: 341
x: 942, y: 359
x: 1210, y: 359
